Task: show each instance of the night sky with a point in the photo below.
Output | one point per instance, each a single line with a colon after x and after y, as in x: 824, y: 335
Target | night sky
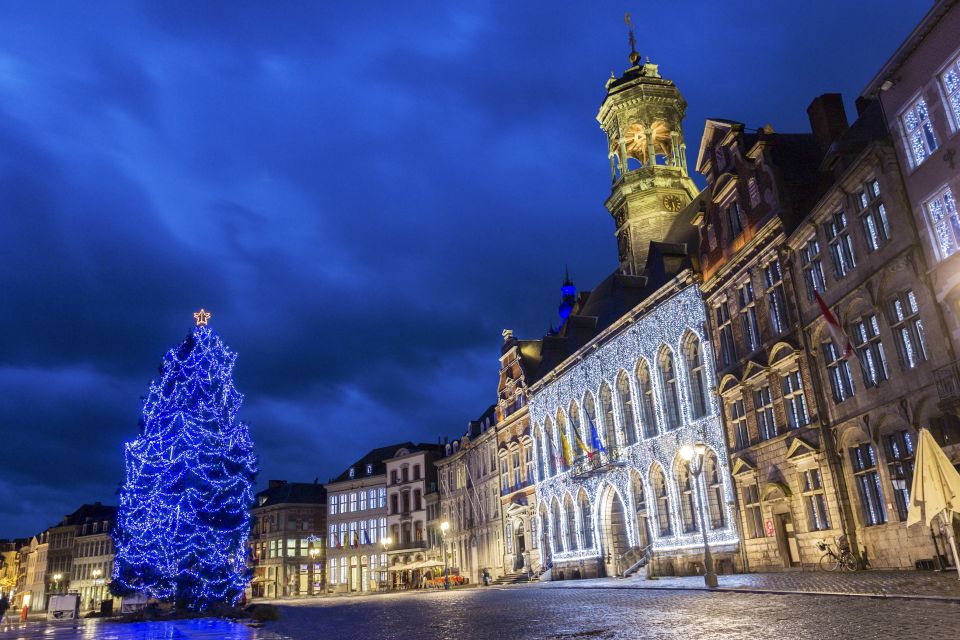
x: 365, y: 195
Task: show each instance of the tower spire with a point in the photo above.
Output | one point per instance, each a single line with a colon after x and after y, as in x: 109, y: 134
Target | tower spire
x: 634, y: 56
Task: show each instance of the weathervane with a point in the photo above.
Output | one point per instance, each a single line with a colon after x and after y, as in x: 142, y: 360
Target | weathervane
x: 634, y: 56
x: 202, y: 317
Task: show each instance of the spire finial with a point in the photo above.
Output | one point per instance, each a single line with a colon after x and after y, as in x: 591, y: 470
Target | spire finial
x: 202, y: 317
x: 634, y: 56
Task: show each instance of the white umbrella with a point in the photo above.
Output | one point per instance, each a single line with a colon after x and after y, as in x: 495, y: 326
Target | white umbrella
x: 936, y: 489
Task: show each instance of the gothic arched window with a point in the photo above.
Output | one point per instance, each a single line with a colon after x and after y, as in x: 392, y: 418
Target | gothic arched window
x: 696, y: 376
x: 586, y: 520
x: 647, y: 414
x: 577, y: 430
x: 557, y: 526
x: 713, y: 480
x: 570, y: 534
x: 626, y: 409
x: 686, y: 487
x: 659, y: 483
x: 590, y: 409
x: 609, y: 428
x: 549, y: 448
x: 562, y: 437
x: 671, y: 396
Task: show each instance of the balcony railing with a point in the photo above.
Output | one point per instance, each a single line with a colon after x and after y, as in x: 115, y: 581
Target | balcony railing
x: 589, y: 464
x: 948, y: 384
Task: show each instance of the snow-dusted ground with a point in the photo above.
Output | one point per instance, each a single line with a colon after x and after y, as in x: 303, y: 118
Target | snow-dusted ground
x: 97, y: 630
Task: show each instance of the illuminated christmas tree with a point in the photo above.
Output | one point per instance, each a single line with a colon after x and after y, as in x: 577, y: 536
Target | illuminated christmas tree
x: 183, y: 518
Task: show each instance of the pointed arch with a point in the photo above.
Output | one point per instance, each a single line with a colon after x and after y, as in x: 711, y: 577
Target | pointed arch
x: 557, y: 526
x: 648, y: 415
x: 576, y: 428
x: 667, y: 367
x: 696, y: 375
x: 590, y: 412
x: 606, y: 409
x: 713, y: 485
x: 560, y: 440
x: 544, y: 530
x: 537, y: 467
x: 586, y: 519
x: 640, y: 508
x: 686, y: 488
x: 661, y: 494
x: 549, y: 447
x: 570, y: 528
x: 625, y: 398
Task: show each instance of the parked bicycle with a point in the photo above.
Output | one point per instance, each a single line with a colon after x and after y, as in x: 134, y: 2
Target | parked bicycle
x: 840, y: 560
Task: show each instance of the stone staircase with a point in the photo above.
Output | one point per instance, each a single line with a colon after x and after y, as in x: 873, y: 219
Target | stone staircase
x: 635, y: 559
x: 512, y: 578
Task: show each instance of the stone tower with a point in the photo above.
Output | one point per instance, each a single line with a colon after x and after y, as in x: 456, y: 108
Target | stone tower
x: 642, y: 115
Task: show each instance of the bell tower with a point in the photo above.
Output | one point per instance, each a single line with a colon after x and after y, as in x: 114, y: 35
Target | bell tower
x: 642, y: 115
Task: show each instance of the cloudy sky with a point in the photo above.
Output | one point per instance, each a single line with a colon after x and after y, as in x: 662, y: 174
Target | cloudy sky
x: 364, y: 194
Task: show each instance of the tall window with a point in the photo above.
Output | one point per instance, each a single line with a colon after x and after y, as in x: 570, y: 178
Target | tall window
x: 550, y: 451
x: 796, y: 404
x: 688, y: 506
x: 557, y: 526
x: 696, y: 376
x: 505, y: 473
x: 353, y: 502
x: 921, y: 139
x: 864, y: 461
x: 734, y: 223
x: 671, y: 399
x: 942, y: 213
x: 838, y: 368
x: 586, y: 527
x: 609, y: 428
x: 951, y: 89
x: 570, y: 533
x: 812, y: 263
x: 646, y: 400
x: 626, y: 409
x: 738, y: 422
x: 541, y: 473
x: 517, y: 468
x: 528, y: 462
x: 754, y: 191
x: 776, y: 301
x: 873, y: 216
x: 728, y: 349
x: 763, y: 405
x: 841, y: 246
x: 908, y: 329
x: 561, y: 435
x: 363, y: 501
x: 869, y: 348
x: 899, y: 447
x: 748, y: 316
x: 577, y: 428
x: 752, y: 513
x: 713, y: 481
x: 659, y: 483
x: 818, y: 519
x: 333, y: 505
x: 590, y: 410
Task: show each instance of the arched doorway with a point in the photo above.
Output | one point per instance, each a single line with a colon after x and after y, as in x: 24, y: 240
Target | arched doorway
x: 519, y: 545
x: 613, y: 531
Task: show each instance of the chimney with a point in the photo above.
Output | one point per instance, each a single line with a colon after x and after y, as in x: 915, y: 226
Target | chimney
x: 827, y: 118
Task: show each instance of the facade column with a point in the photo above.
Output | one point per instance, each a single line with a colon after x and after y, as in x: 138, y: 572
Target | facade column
x: 651, y: 153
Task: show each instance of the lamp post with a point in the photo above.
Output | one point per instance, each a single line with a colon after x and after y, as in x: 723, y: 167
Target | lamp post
x: 386, y: 542
x: 98, y: 583
x: 314, y: 553
x: 57, y: 577
x: 693, y: 455
x: 444, y: 527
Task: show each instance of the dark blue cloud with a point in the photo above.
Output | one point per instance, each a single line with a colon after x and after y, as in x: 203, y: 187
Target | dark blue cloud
x: 364, y: 194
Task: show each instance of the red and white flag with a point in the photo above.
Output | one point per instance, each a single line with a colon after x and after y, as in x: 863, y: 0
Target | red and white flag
x: 840, y: 339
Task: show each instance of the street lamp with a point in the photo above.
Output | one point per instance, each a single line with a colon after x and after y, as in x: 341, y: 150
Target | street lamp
x: 98, y: 582
x: 693, y: 455
x: 57, y: 577
x: 314, y: 553
x: 386, y: 541
x: 444, y: 527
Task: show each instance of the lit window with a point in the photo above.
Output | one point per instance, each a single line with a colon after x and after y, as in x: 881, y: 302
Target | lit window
x: 646, y: 400
x: 841, y: 246
x: 919, y: 131
x: 899, y: 447
x: 873, y: 216
x: 942, y: 213
x: 864, y: 460
x: 812, y: 268
x: 738, y: 422
x: 626, y: 409
x: 869, y: 348
x: 908, y: 329
x: 838, y: 367
x: 668, y: 375
x: 951, y: 87
x: 763, y: 405
x: 659, y: 483
x: 687, y: 505
x: 728, y: 348
x: 714, y: 488
x: 776, y: 301
x: 817, y: 517
x: 748, y: 317
x: 752, y: 512
x: 696, y: 376
x: 796, y: 404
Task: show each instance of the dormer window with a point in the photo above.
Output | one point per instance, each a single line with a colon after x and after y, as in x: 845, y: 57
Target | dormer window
x: 369, y: 469
x: 719, y: 157
x: 352, y: 473
x: 753, y: 189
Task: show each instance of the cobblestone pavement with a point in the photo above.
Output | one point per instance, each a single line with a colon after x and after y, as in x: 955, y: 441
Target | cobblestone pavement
x: 98, y: 630
x: 582, y: 612
x: 923, y: 584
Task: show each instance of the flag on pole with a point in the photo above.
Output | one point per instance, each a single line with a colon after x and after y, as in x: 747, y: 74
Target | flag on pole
x: 557, y: 458
x: 567, y: 451
x: 595, y: 437
x: 356, y: 539
x: 840, y: 339
x: 583, y: 445
x: 366, y: 537
x: 340, y: 541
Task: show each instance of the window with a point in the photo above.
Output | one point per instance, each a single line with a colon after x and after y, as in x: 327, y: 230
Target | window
x: 626, y: 409
x: 373, y: 498
x: 586, y: 521
x: 921, y: 141
x: 696, y: 376
x: 776, y: 302
x: 748, y: 317
x: 574, y: 413
x: 753, y: 189
x: 795, y: 403
x: 817, y: 517
x: 873, y: 216
x: 812, y: 268
x: 549, y: 448
x: 714, y: 488
x: 659, y: 483
x: 393, y: 476
x: 557, y: 540
x: 951, y: 90
x: 363, y: 501
x: 908, y: 329
x: 333, y: 505
x: 728, y: 349
x: 899, y: 447
x: 382, y: 497
x: 942, y: 214
x: 752, y: 513
x: 864, y: 461
x: 416, y: 472
x: 570, y: 532
x: 533, y: 532
x: 841, y: 246
x: 353, y: 502
x: 405, y: 474
x: 688, y: 507
x: 558, y: 440
x: 738, y: 422
x: 869, y: 348
x: 528, y: 462
x: 383, y: 528
x: 333, y: 571
x: 734, y: 224
x: 646, y: 400
x: 372, y: 528
x: 763, y: 405
x: 609, y: 428
x: 838, y: 367
x: 517, y: 468
x: 668, y: 375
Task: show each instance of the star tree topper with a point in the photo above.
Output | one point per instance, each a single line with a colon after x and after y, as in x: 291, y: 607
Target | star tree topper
x: 202, y: 317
